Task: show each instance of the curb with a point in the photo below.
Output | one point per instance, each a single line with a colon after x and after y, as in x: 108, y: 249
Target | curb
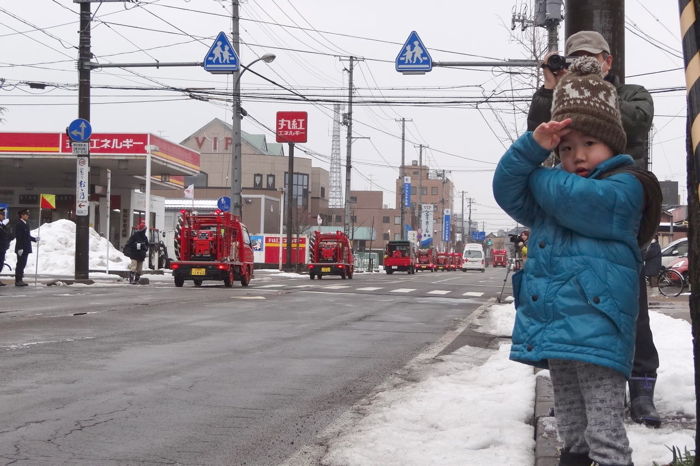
x: 547, y: 444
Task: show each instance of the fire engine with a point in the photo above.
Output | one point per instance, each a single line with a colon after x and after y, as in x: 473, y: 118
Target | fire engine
x: 400, y: 256
x: 442, y: 261
x: 456, y: 261
x: 426, y: 259
x: 330, y: 254
x: 213, y: 246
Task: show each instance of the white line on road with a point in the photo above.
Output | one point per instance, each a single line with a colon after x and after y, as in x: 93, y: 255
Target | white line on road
x: 402, y: 290
x: 370, y: 288
x: 269, y: 286
x: 439, y: 292
x: 302, y: 286
x: 473, y: 293
x: 336, y: 287
x: 248, y: 297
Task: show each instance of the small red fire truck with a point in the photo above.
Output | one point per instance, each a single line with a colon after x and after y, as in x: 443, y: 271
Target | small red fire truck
x: 442, y: 261
x: 426, y: 259
x: 400, y: 256
x: 214, y: 246
x: 330, y: 254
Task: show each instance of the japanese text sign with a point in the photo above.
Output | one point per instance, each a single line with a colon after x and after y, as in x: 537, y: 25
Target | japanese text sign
x: 292, y: 126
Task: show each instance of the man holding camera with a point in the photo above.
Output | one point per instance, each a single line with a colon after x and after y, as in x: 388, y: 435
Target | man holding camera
x: 636, y: 104
x: 637, y: 111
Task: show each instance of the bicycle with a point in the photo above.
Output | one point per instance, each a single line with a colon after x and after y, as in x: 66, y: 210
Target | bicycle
x: 671, y: 282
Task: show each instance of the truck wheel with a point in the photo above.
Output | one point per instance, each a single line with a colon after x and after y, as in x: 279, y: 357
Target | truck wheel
x: 179, y: 281
x: 228, y: 279
x: 350, y: 273
x: 198, y: 282
x: 342, y: 275
x: 389, y: 271
x: 311, y: 275
x: 245, y: 277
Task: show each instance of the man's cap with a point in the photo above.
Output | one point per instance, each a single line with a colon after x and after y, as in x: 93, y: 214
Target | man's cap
x: 23, y: 212
x: 2, y: 211
x: 587, y: 41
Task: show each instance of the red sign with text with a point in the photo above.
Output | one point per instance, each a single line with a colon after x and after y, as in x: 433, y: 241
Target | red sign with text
x: 292, y: 126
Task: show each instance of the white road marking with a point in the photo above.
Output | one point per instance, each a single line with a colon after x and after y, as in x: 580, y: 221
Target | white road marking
x: 336, y: 287
x: 302, y: 286
x: 248, y: 297
x: 269, y: 286
x: 473, y: 293
x: 370, y: 288
x: 403, y: 290
x: 439, y: 292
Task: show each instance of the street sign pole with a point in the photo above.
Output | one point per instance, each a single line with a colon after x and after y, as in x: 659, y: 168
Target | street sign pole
x: 82, y: 233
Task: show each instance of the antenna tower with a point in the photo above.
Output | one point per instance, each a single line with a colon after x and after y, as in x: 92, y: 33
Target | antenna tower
x: 335, y: 197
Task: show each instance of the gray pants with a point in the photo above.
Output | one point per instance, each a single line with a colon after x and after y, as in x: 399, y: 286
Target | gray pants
x: 589, y: 404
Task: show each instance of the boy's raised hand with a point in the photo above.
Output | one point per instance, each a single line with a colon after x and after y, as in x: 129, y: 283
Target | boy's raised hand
x: 548, y: 135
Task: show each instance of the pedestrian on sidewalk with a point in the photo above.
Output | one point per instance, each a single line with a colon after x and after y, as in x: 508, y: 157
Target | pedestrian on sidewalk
x: 136, y: 249
x: 5, y: 239
x: 23, y: 245
x: 637, y: 112
x: 652, y: 261
x: 577, y: 296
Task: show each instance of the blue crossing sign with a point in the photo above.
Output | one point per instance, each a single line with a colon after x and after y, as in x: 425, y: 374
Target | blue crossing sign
x: 79, y: 130
x: 222, y: 57
x: 413, y: 57
x: 224, y: 203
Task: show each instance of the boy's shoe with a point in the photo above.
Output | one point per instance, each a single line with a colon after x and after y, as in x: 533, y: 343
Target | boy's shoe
x: 20, y: 283
x: 642, y: 407
x: 574, y: 459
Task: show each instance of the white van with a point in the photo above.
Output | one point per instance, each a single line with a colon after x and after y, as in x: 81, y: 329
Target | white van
x: 473, y: 257
x: 673, y: 251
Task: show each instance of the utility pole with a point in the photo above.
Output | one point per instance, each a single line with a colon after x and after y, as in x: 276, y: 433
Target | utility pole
x: 236, y: 164
x: 402, y: 173
x: 348, y: 150
x: 82, y: 231
x: 420, y: 179
x: 464, y: 238
x: 470, y: 218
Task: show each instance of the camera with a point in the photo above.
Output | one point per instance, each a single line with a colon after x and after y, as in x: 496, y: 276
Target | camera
x: 557, y: 62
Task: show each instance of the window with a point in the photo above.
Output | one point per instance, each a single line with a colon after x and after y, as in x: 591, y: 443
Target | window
x: 323, y: 192
x: 415, y: 172
x: 397, y: 220
x: 353, y: 199
x: 434, y: 190
x: 386, y: 219
x: 385, y: 236
x: 353, y: 219
x: 424, y: 191
x: 300, y: 192
x: 270, y: 181
x: 338, y: 218
x: 257, y: 181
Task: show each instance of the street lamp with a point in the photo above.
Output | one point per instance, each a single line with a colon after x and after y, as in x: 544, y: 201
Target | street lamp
x: 236, y: 186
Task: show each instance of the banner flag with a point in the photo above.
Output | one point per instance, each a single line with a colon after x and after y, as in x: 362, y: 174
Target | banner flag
x: 189, y: 192
x: 48, y: 201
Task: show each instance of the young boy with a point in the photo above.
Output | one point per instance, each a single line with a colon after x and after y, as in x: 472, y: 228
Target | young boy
x: 576, y: 298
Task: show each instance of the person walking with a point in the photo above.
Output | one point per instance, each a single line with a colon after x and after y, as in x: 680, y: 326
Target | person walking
x: 637, y: 112
x: 576, y: 298
x: 5, y: 239
x: 23, y: 245
x: 136, y: 249
x: 652, y: 261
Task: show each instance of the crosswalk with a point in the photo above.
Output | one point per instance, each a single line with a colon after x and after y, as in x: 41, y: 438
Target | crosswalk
x: 350, y: 288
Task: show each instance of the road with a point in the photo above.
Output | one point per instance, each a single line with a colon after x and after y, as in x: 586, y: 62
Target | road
x: 117, y: 374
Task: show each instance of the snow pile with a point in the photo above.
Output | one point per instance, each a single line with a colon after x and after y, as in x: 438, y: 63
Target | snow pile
x: 56, y: 251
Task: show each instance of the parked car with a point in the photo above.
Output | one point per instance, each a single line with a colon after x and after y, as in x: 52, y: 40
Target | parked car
x: 673, y: 251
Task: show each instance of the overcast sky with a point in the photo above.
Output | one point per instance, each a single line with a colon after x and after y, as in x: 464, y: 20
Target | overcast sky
x: 309, y: 37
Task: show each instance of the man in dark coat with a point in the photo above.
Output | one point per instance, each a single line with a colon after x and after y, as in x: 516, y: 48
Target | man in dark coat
x: 5, y: 239
x: 637, y: 111
x: 23, y: 245
x: 136, y: 249
x: 652, y: 261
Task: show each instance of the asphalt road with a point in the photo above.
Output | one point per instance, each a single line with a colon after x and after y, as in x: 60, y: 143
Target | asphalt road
x: 120, y: 374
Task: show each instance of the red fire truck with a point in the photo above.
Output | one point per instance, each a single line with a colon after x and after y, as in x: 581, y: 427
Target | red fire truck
x: 214, y: 246
x: 456, y: 261
x: 442, y: 261
x: 330, y: 254
x: 400, y: 256
x: 426, y: 259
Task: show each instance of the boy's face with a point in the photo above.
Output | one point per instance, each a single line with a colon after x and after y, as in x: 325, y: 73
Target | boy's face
x: 580, y: 153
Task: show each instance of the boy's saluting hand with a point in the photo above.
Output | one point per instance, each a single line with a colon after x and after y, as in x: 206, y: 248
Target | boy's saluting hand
x: 548, y: 135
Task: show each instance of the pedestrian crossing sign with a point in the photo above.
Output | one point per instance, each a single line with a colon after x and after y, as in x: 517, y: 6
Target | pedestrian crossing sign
x: 413, y: 58
x: 222, y: 57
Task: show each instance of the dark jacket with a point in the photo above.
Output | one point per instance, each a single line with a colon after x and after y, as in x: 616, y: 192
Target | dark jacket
x: 131, y: 249
x: 652, y: 259
x: 5, y: 237
x: 23, y: 238
x: 636, y: 109
x: 577, y: 296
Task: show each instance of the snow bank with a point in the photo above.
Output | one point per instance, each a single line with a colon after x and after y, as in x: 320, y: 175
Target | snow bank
x: 56, y: 251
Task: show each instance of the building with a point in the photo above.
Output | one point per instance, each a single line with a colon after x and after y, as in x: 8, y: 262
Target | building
x: 264, y: 176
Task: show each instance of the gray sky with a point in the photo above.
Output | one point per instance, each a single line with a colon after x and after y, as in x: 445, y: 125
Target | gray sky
x: 40, y: 37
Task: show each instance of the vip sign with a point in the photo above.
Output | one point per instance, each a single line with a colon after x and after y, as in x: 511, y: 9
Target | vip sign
x: 292, y: 126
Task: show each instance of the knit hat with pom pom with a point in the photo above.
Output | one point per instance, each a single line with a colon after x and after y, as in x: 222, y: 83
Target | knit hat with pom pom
x: 591, y: 102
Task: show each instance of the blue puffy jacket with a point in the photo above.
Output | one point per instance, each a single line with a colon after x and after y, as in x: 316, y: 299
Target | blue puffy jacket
x: 577, y: 296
